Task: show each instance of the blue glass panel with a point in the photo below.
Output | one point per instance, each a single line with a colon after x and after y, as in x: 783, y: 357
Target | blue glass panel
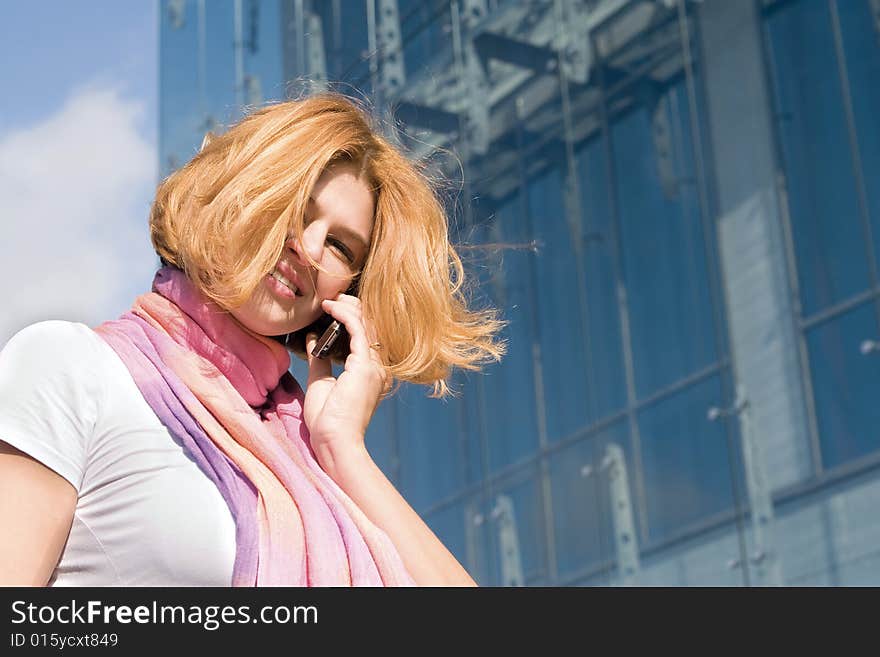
x: 685, y: 462
x: 198, y: 84
x: 472, y: 432
x: 604, y: 347
x: 431, y: 444
x: 557, y: 305
x: 861, y: 45
x: 380, y: 438
x: 425, y: 31
x: 584, y: 528
x: 263, y: 48
x: 845, y: 385
x: 824, y: 209
x: 482, y: 265
x: 454, y: 525
x: 345, y: 38
x: 220, y: 62
x: 508, y: 387
x: 179, y: 97
x: 671, y: 324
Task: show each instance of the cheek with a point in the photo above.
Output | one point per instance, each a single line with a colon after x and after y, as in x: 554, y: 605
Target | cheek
x: 328, y: 289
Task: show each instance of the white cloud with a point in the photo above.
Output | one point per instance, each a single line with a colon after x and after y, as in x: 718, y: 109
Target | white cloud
x: 75, y: 191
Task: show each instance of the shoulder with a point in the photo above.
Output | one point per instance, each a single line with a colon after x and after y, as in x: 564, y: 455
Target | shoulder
x: 50, y: 392
x: 53, y: 364
x: 53, y: 357
x: 51, y: 347
x: 54, y: 336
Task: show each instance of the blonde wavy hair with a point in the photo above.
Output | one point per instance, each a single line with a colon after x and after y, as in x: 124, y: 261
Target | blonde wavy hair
x: 225, y: 216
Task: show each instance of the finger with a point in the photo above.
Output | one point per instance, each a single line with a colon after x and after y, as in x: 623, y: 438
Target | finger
x: 349, y: 299
x: 359, y: 349
x: 376, y: 347
x: 354, y: 302
x: 351, y: 302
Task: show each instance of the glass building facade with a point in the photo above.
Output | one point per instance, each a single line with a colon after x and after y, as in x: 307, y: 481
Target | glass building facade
x: 671, y: 204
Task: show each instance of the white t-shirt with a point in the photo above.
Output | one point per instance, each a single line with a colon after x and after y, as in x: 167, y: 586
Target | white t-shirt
x: 146, y: 515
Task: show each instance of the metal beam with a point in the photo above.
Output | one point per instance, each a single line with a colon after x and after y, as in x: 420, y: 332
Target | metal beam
x: 393, y: 74
x: 423, y: 116
x: 514, y: 51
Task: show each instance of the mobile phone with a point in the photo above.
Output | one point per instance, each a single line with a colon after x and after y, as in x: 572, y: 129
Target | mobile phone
x: 328, y: 339
x: 331, y: 331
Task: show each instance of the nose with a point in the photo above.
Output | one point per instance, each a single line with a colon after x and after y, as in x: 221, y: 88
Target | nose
x: 312, y: 244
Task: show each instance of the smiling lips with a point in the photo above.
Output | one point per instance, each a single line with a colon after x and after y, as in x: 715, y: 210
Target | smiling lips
x: 286, y: 275
x: 278, y: 277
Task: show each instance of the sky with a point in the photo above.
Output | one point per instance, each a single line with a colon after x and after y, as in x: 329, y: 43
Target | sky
x: 78, y: 158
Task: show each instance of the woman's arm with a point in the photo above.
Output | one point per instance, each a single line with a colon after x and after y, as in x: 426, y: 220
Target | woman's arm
x: 36, y: 511
x: 425, y: 557
x: 337, y: 413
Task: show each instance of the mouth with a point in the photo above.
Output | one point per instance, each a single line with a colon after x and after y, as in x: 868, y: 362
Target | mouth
x: 283, y: 280
x: 289, y: 277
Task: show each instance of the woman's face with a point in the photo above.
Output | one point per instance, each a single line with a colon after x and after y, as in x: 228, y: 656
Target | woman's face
x: 338, y: 225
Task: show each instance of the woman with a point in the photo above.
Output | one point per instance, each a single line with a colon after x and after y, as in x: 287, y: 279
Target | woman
x: 171, y: 446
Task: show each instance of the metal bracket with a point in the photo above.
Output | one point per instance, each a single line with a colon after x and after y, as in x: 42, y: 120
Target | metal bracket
x: 875, y: 12
x: 389, y: 42
x: 475, y: 81
x: 316, y: 59
x: 868, y: 347
x: 661, y: 133
x: 575, y: 49
x: 176, y: 13
x: 760, y: 496
x: 253, y: 90
x: 508, y: 542
x: 625, y: 538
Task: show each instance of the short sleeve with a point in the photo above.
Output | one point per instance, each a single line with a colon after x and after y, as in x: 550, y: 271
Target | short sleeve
x: 49, y: 395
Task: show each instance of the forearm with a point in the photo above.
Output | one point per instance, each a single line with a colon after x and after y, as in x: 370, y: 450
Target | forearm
x: 423, y: 554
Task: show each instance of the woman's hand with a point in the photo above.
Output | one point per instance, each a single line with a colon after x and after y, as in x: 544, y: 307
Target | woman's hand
x: 338, y: 411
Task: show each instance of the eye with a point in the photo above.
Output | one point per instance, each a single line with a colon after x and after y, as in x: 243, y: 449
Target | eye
x: 342, y: 248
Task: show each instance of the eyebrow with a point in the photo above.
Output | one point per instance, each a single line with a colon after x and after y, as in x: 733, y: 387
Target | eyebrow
x: 346, y: 231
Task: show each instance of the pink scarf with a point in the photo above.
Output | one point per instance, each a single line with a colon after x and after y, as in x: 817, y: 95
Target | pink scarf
x: 225, y: 393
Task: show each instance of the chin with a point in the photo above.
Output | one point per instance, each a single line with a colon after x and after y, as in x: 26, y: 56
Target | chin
x: 262, y: 326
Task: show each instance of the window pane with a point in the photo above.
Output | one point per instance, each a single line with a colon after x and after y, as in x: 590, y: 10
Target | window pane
x: 470, y: 401
x: 845, y: 385
x: 583, y: 525
x: 684, y: 459
x: 180, y: 98
x: 431, y: 446
x: 508, y: 387
x: 663, y: 247
x: 264, y: 77
x: 604, y: 350
x: 558, y: 309
x: 380, y: 438
x: 455, y: 526
x: 424, y: 30
x: 829, y: 242
x: 861, y: 44
x: 345, y: 38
